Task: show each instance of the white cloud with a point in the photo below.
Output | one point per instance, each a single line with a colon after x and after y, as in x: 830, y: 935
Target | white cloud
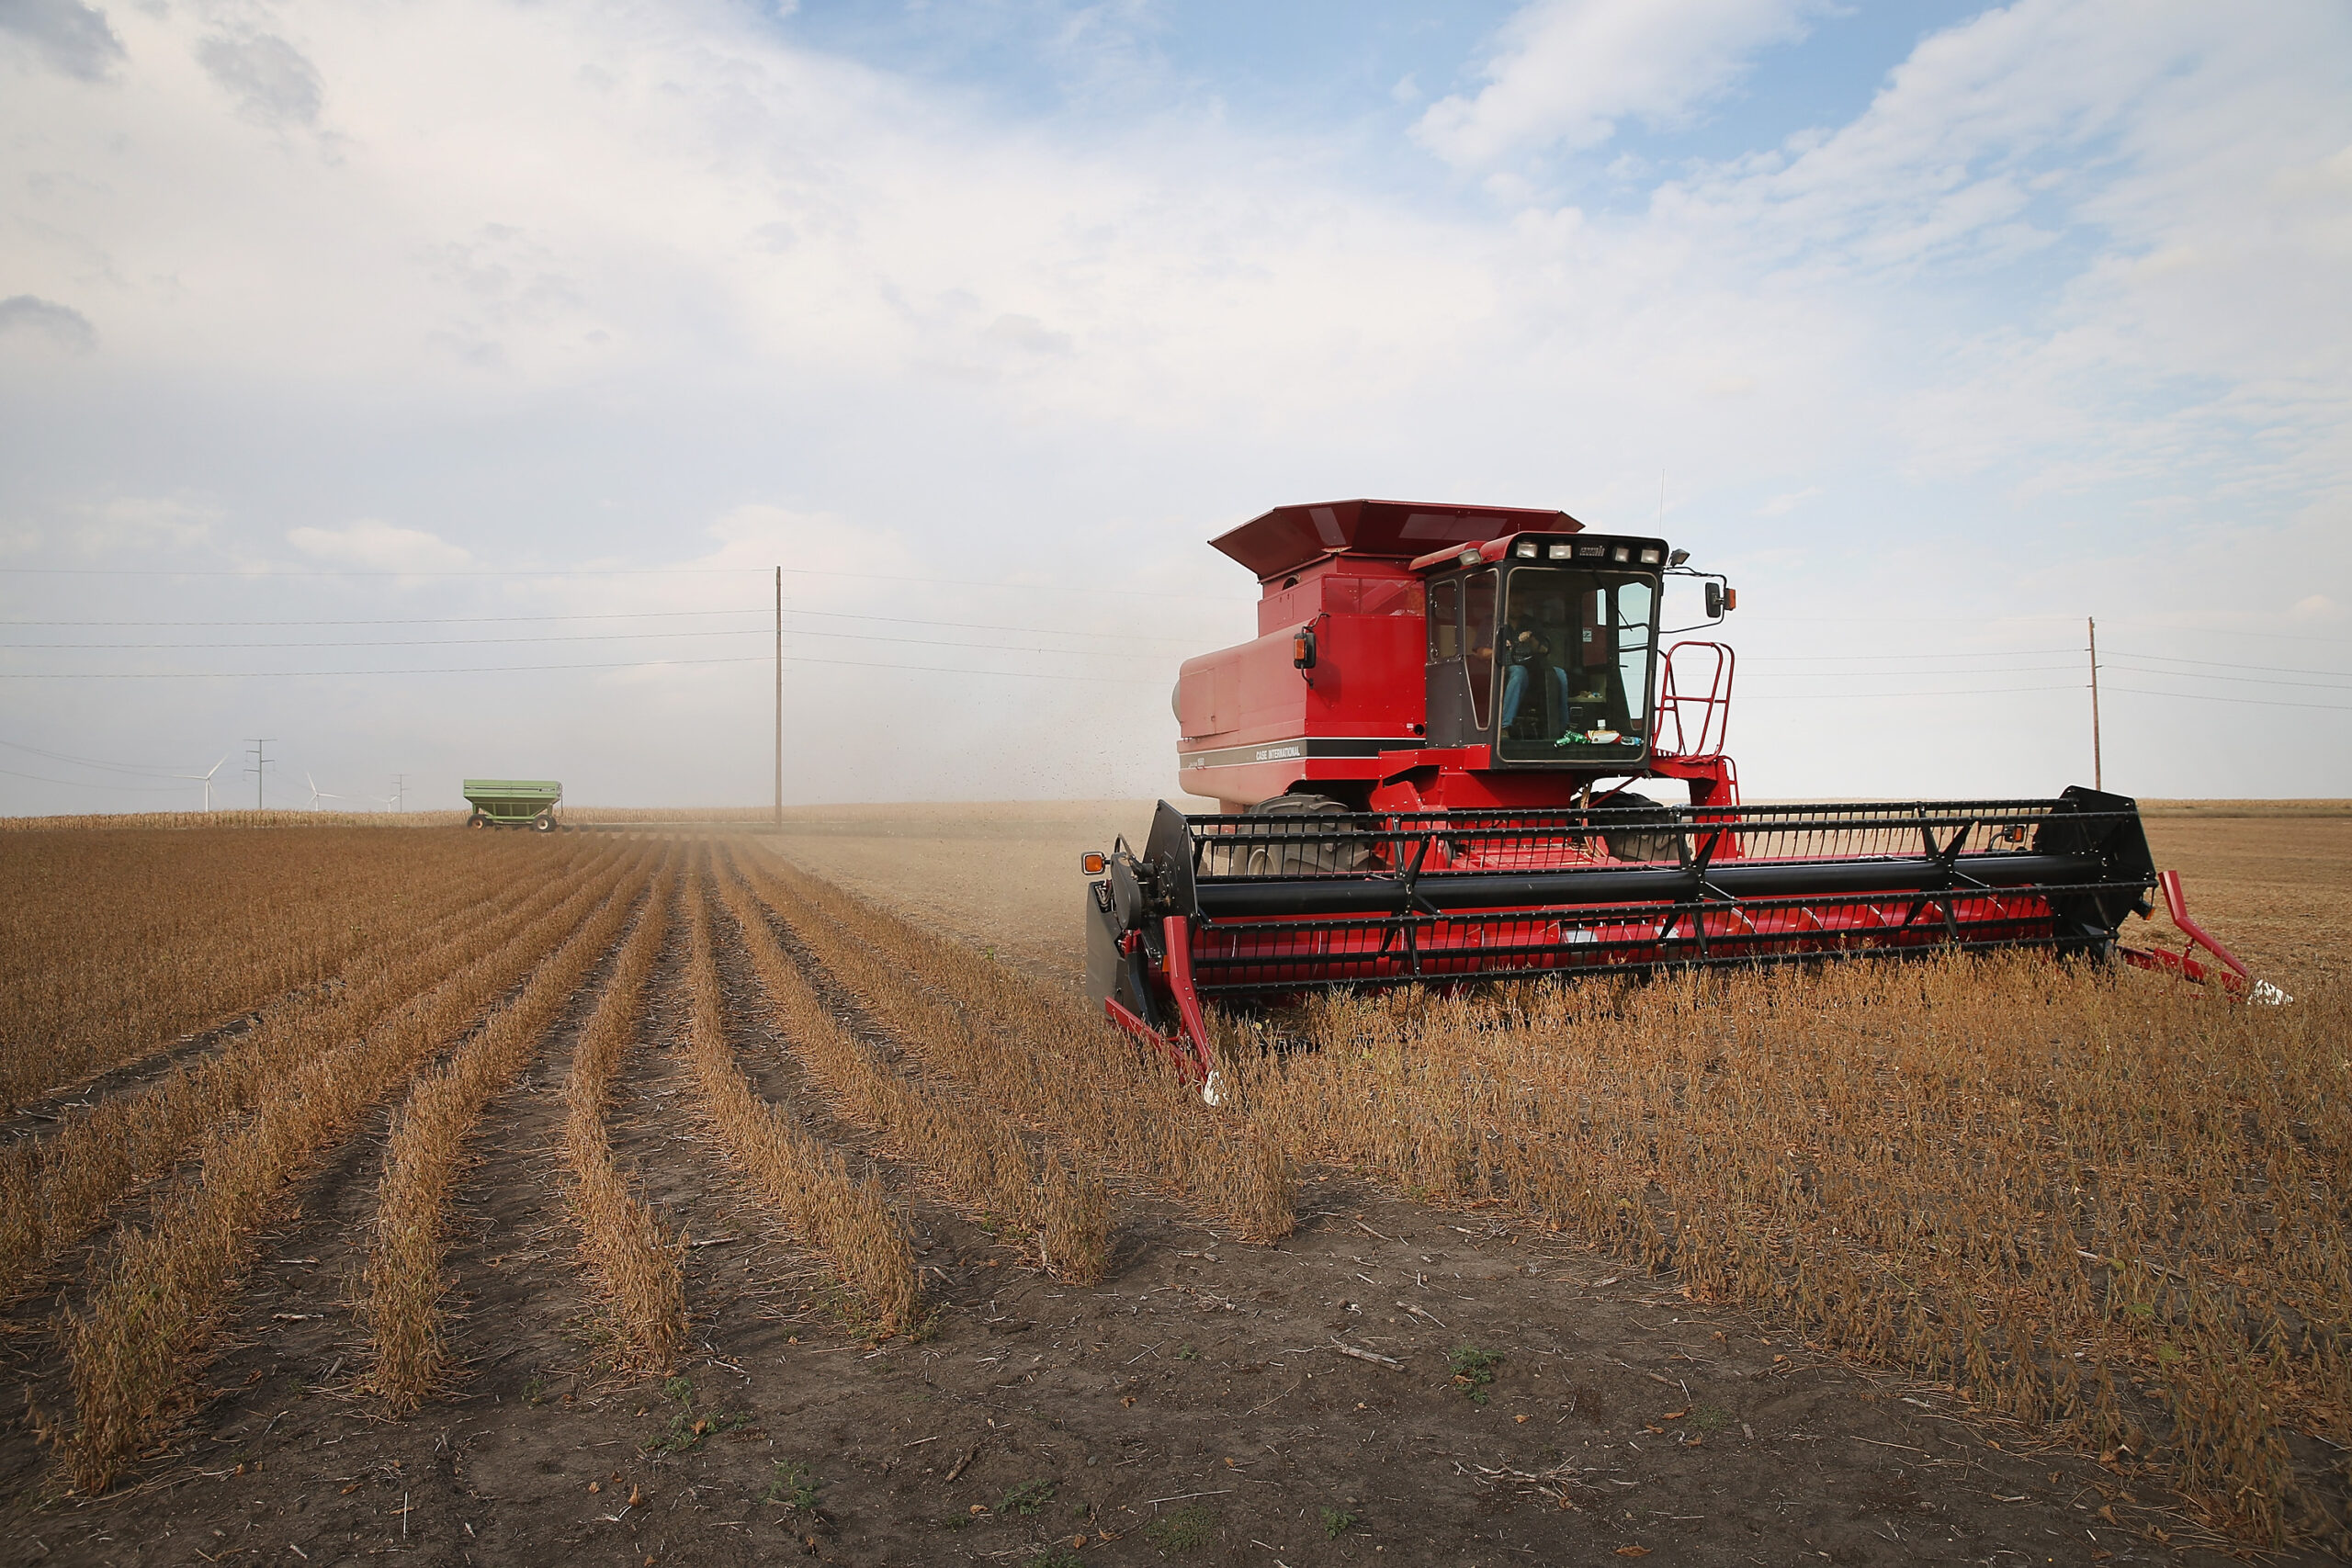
x: 371, y: 546
x: 1569, y: 70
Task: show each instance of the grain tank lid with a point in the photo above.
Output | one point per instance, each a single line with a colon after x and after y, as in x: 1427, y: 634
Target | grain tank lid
x: 1290, y: 537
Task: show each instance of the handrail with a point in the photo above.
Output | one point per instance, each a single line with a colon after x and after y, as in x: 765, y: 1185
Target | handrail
x: 1714, y: 706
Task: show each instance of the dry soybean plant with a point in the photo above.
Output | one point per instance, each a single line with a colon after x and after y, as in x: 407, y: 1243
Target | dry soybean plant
x: 781, y: 1161
x: 57, y: 1187
x: 633, y: 1262
x: 403, y: 1278
x: 1037, y: 1057
x: 2106, y: 1205
x: 112, y: 944
x: 139, y: 1339
x: 976, y: 1154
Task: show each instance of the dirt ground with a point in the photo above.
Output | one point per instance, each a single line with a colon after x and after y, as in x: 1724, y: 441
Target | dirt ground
x: 1046, y: 1424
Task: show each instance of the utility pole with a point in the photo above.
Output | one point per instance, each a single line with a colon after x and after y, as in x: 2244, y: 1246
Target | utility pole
x: 2098, y: 778
x: 779, y: 696
x: 261, y: 762
x: 400, y: 793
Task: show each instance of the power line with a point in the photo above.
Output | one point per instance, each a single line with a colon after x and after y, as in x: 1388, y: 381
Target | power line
x: 92, y: 762
x: 2238, y: 680
x: 1842, y: 697
x: 567, y: 636
x: 1850, y: 674
x: 2218, y: 665
x: 606, y: 615
x: 2215, y: 697
x: 272, y: 573
x: 1853, y: 658
x: 522, y: 669
x: 410, y: 620
x: 91, y: 783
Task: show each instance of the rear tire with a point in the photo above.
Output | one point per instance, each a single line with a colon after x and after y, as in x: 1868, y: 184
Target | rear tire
x: 477, y: 820
x: 543, y: 824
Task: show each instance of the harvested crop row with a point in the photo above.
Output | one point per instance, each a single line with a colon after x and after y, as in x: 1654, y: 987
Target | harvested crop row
x: 56, y: 1189
x: 114, y: 944
x: 2095, y: 1204
x: 1033, y: 1056
x: 634, y: 1264
x: 139, y: 1339
x: 978, y: 1155
x: 402, y: 1277
x: 808, y: 1182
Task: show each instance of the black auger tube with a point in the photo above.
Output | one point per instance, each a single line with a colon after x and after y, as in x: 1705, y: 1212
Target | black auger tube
x: 1638, y: 884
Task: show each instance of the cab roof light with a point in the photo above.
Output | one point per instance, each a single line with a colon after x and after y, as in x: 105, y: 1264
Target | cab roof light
x: 1649, y: 558
x: 1471, y: 557
x: 1525, y: 550
x: 1559, y: 552
x: 1623, y: 553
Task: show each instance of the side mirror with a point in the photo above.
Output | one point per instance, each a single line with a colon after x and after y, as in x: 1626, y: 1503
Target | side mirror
x: 1302, y: 648
x: 1715, y: 601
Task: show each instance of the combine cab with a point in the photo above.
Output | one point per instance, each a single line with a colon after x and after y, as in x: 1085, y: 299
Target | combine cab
x: 1426, y: 761
x: 514, y: 802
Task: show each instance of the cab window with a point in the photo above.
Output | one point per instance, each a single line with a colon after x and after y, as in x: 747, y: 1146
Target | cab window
x: 1445, y: 621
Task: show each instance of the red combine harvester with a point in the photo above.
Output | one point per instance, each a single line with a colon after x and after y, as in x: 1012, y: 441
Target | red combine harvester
x: 1424, y: 766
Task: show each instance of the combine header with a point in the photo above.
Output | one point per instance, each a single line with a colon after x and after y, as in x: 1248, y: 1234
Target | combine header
x: 1424, y: 765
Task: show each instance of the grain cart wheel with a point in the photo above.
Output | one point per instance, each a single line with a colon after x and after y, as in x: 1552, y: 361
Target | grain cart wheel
x: 543, y: 823
x: 477, y: 820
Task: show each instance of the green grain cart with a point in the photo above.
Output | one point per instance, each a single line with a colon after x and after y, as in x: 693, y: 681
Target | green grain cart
x: 514, y: 802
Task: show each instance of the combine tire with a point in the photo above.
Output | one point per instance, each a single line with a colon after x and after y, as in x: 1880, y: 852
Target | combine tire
x: 1632, y: 841
x: 1295, y: 859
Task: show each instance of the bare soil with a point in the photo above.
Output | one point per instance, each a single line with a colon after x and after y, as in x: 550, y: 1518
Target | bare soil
x: 1200, y: 1405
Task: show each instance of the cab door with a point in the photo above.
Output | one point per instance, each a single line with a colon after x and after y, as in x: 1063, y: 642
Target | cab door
x: 1460, y: 670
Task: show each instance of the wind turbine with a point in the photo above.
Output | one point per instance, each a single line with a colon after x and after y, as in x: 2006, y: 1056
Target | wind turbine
x: 317, y: 793
x: 204, y: 778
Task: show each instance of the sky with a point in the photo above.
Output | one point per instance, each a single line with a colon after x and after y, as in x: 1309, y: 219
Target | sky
x: 434, y: 390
